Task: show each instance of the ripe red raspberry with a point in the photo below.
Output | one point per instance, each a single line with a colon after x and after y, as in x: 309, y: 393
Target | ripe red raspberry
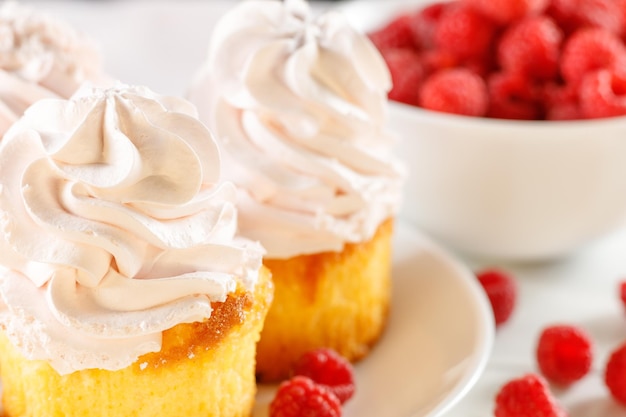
x: 396, y: 34
x: 436, y: 60
x: 527, y: 396
x: 615, y: 374
x: 464, y: 32
x: 501, y: 290
x: 532, y: 47
x: 575, y: 14
x: 481, y: 66
x: 424, y: 24
x: 458, y: 91
x: 565, y: 111
x: 326, y: 367
x: 561, y: 102
x: 589, y: 50
x: 300, y: 396
x: 564, y: 353
x: 512, y: 96
x: 407, y: 74
x: 603, y: 94
x: 506, y: 11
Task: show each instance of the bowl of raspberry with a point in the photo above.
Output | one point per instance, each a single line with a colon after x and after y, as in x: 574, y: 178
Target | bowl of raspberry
x: 511, y: 116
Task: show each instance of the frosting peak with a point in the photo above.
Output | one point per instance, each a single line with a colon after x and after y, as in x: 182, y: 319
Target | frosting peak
x: 40, y: 58
x: 112, y: 214
x: 298, y: 103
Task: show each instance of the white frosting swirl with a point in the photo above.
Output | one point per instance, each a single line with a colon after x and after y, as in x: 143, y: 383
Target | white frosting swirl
x: 40, y: 58
x: 299, y: 104
x: 113, y: 227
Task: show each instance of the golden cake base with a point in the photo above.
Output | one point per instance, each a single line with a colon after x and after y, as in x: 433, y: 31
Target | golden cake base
x: 338, y: 300
x: 204, y: 369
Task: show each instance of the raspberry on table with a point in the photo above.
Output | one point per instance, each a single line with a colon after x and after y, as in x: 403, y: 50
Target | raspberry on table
x: 531, y: 46
x: 589, y: 50
x: 396, y: 34
x: 407, y: 74
x: 501, y: 290
x: 301, y: 397
x: 328, y: 368
x: 603, y: 94
x: 615, y: 374
x: 527, y: 396
x: 464, y: 32
x: 514, y: 96
x: 506, y: 11
x: 564, y: 353
x: 458, y: 91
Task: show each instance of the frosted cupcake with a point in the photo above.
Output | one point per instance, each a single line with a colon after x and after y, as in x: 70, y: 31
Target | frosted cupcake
x: 125, y: 290
x: 299, y: 106
x: 41, y: 57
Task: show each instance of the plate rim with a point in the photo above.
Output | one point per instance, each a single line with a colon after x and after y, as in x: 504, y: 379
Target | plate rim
x: 486, y: 324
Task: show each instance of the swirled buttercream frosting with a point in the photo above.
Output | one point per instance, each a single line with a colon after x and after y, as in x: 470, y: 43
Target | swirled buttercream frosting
x: 298, y: 103
x: 114, y: 226
x: 40, y: 57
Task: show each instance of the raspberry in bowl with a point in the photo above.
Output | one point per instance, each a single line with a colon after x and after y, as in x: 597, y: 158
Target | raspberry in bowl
x: 510, y: 117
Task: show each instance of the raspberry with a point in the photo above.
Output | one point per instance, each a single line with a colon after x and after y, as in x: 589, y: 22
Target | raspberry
x: 589, y: 50
x: 527, y: 396
x: 301, y: 397
x: 464, y: 32
x: 554, y: 94
x: 603, y: 94
x: 326, y: 367
x: 565, y: 111
x: 574, y: 14
x: 615, y: 374
x: 506, y: 11
x: 458, y: 91
x: 501, y: 290
x: 561, y: 102
x: 407, y: 74
x: 512, y: 96
x: 481, y: 66
x: 396, y: 34
x: 564, y: 353
x: 424, y: 24
x: 531, y: 46
x: 564, y: 14
x: 436, y: 60
x: 606, y: 14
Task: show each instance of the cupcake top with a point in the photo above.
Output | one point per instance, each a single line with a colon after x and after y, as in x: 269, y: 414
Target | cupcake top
x: 298, y: 104
x: 114, y: 226
x: 40, y: 58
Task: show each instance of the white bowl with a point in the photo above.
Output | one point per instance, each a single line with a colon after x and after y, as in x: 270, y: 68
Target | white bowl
x: 524, y: 190
x: 518, y: 190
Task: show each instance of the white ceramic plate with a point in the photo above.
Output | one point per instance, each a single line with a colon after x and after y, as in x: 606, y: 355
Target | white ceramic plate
x: 437, y: 342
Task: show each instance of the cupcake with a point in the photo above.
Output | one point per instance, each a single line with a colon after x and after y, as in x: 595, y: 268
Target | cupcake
x: 41, y: 57
x: 298, y: 104
x: 125, y: 290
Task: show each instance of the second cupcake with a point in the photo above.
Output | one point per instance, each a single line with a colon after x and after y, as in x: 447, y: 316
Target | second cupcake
x: 299, y: 106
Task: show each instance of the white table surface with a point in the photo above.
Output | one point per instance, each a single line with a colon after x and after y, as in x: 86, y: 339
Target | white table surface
x: 161, y: 43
